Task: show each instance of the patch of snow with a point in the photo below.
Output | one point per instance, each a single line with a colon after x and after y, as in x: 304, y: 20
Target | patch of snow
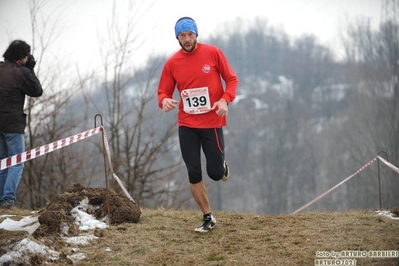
x: 27, y: 247
x: 86, y: 221
x: 76, y: 258
x: 239, y: 98
x: 81, y: 240
x: 6, y: 259
x: 387, y: 214
x: 28, y: 223
x: 259, y: 104
x: 64, y: 228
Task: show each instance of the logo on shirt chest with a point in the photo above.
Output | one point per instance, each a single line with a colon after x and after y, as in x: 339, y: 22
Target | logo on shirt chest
x: 206, y: 68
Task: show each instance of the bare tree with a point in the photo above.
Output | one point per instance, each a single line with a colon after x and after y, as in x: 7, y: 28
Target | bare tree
x: 371, y: 127
x: 141, y: 144
x: 273, y: 125
x: 49, y: 117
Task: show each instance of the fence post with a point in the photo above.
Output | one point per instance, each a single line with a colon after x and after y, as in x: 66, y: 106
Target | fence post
x: 379, y: 177
x: 105, y: 164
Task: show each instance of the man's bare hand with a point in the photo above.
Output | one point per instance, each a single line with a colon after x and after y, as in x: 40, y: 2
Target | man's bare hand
x: 220, y: 107
x: 169, y: 104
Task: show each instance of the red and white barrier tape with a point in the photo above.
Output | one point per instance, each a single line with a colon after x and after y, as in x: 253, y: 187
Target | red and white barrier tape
x: 34, y: 153
x: 331, y: 189
x: 112, y: 170
x: 393, y: 167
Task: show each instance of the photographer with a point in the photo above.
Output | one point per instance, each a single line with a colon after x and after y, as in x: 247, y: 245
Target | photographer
x: 17, y: 79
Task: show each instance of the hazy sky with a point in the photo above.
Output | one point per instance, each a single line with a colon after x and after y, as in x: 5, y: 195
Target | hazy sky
x: 84, y: 19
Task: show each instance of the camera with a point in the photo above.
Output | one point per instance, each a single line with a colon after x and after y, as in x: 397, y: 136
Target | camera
x: 31, y: 62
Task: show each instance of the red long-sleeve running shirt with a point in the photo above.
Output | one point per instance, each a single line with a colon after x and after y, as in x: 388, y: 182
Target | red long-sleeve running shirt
x: 197, y: 77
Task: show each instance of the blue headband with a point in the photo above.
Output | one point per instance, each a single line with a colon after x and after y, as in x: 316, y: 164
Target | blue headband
x: 186, y: 24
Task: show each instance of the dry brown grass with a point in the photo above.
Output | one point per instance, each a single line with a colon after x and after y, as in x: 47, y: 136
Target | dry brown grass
x: 167, y: 237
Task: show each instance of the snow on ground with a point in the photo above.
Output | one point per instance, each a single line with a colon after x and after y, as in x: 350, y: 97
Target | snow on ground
x: 28, y: 223
x: 388, y: 214
x: 28, y: 246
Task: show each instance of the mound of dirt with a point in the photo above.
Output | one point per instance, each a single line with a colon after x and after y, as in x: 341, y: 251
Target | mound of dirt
x: 56, y: 217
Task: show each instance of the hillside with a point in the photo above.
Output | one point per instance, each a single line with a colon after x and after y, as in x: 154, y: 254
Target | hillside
x: 166, y: 237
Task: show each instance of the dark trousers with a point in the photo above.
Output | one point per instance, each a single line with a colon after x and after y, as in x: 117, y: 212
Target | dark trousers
x: 212, y: 143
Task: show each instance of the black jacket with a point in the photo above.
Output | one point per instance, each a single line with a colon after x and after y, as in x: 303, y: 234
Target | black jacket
x: 15, y: 82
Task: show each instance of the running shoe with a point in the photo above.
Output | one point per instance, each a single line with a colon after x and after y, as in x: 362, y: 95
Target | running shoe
x: 208, y: 225
x: 226, y: 172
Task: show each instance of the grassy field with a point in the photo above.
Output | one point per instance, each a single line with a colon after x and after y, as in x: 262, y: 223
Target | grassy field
x: 167, y: 237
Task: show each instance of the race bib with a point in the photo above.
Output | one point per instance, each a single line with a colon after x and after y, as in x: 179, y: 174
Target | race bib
x: 196, y: 100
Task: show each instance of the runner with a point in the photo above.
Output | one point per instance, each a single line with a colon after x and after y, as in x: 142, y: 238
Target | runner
x: 196, y: 71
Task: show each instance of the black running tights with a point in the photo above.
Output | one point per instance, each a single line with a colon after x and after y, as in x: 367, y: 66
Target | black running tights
x: 212, y: 143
